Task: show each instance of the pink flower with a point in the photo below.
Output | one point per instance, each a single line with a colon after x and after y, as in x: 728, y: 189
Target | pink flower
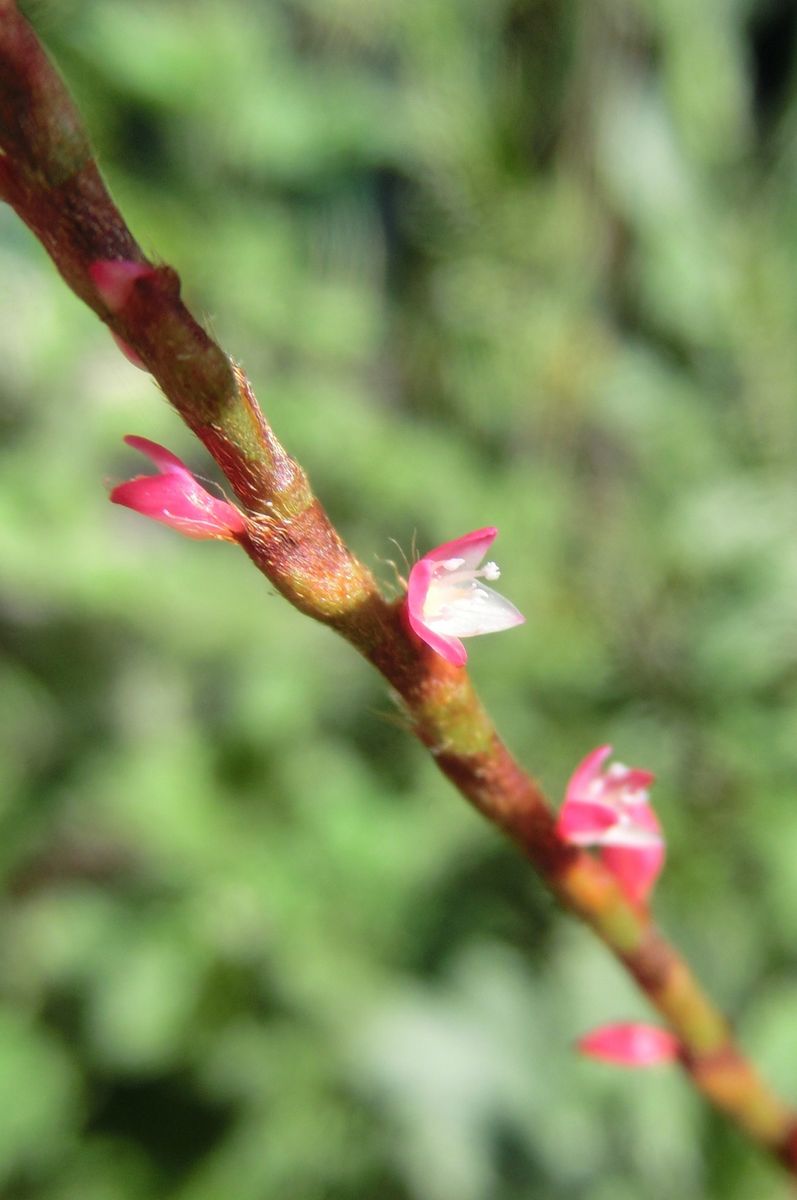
x: 628, y: 1044
x: 177, y: 498
x: 611, y: 809
x: 446, y: 601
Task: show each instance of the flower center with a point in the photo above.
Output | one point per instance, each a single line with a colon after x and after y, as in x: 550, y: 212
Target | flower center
x: 454, y: 583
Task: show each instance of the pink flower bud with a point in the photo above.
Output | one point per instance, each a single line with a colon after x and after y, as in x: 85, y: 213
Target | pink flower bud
x: 176, y: 498
x: 628, y: 1044
x: 611, y: 809
x: 114, y: 279
x: 446, y: 601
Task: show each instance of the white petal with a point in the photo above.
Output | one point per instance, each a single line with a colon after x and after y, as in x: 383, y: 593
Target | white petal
x: 623, y: 834
x: 469, y: 609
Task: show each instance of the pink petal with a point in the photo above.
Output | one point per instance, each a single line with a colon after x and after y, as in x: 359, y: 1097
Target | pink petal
x: 636, y: 868
x: 163, y: 459
x: 628, y: 1044
x: 450, y: 648
x: 417, y: 588
x: 579, y: 787
x: 584, y: 821
x: 114, y: 279
x: 471, y: 547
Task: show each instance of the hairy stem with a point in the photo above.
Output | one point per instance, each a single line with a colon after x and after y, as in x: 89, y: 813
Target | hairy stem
x: 48, y: 175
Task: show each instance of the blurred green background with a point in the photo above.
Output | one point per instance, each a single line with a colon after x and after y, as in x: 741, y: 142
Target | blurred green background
x: 525, y: 262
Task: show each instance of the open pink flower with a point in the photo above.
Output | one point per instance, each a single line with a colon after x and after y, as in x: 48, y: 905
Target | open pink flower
x: 446, y: 600
x: 177, y: 498
x: 629, y: 1044
x: 611, y: 809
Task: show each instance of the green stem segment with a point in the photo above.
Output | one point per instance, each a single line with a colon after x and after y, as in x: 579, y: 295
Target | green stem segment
x: 48, y: 175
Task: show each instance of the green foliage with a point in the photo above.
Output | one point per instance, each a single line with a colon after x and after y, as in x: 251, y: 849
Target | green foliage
x: 526, y: 263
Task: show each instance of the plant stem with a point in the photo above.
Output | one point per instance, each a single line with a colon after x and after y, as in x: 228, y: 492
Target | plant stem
x: 48, y: 175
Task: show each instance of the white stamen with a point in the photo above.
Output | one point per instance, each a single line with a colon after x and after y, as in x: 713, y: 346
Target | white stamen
x: 448, y: 573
